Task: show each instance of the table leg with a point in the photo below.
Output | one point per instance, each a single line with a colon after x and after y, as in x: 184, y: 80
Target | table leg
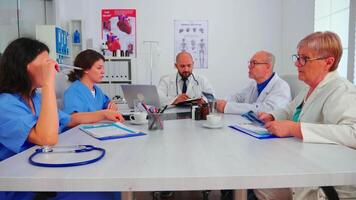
x: 127, y: 196
x: 240, y: 194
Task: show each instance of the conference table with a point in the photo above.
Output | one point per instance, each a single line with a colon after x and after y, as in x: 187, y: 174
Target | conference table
x: 185, y: 156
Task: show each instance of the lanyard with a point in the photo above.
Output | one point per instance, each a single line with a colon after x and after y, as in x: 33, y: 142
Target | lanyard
x: 66, y: 149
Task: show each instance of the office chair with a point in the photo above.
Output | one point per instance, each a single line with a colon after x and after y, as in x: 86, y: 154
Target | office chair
x: 294, y: 83
x: 62, y: 84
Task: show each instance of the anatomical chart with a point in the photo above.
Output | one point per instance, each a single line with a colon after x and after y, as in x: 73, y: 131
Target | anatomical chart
x: 192, y: 36
x: 119, y: 32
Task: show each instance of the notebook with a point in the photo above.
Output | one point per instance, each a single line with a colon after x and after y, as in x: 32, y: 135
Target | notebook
x: 145, y: 93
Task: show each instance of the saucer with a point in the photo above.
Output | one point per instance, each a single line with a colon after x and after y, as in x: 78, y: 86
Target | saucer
x: 138, y: 123
x: 213, y: 126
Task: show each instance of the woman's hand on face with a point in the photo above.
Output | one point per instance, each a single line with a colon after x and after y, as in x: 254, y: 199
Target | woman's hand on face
x: 48, y: 68
x: 113, y: 116
x: 112, y: 106
x: 265, y: 117
x: 284, y: 128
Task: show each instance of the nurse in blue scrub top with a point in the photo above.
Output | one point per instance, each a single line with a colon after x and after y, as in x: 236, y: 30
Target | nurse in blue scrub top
x: 31, y: 118
x: 84, y: 95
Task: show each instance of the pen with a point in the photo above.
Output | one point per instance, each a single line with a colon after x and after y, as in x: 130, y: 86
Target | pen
x: 164, y: 108
x: 68, y: 67
x: 145, y: 107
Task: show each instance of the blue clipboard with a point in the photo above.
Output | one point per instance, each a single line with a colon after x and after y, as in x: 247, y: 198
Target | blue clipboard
x: 110, y: 131
x: 253, y: 134
x: 255, y: 124
x: 252, y: 117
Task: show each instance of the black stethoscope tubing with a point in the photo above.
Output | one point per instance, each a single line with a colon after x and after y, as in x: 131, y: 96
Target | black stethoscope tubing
x: 177, y: 82
x: 81, y: 149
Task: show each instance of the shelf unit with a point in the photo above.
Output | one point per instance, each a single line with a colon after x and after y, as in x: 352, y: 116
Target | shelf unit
x: 56, y: 39
x: 76, y: 46
x: 117, y: 71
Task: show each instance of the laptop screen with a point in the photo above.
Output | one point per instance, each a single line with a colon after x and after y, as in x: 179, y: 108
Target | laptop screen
x: 145, y: 93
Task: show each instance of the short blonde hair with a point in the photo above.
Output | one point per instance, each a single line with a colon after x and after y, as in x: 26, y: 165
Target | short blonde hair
x: 326, y: 44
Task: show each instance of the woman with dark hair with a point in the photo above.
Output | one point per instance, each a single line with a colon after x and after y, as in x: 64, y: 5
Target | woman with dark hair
x: 84, y: 95
x: 29, y: 117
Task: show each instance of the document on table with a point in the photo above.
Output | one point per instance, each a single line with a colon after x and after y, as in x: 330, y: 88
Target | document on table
x: 110, y: 131
x: 254, y: 128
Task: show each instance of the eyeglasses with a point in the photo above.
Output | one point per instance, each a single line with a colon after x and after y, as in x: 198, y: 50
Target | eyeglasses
x: 302, y: 60
x: 253, y: 63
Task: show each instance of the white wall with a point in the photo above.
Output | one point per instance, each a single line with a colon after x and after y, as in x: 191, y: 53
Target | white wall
x: 237, y: 28
x: 298, y: 21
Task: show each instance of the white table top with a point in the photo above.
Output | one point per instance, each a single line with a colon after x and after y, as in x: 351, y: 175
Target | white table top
x: 186, y: 156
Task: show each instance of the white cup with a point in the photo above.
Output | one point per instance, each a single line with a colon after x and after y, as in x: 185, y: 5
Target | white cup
x: 213, y: 120
x: 138, y: 117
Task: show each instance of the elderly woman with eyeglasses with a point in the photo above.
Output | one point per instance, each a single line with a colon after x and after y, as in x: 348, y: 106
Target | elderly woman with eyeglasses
x: 324, y: 112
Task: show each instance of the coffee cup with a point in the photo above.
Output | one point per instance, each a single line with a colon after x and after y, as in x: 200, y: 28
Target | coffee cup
x: 213, y: 120
x: 138, y: 117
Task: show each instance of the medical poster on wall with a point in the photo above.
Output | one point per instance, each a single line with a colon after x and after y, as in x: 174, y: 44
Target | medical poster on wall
x: 119, y: 32
x: 192, y: 36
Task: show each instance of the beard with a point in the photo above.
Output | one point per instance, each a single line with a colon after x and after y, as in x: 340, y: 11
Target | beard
x: 185, y: 74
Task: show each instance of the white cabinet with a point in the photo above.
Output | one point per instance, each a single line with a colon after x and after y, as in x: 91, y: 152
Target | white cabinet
x: 56, y: 39
x: 76, y: 27
x: 117, y: 71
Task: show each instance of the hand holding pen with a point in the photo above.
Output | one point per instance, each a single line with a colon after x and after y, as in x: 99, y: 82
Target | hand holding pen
x: 64, y: 67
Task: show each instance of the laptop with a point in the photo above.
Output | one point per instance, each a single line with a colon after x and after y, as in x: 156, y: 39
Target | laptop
x: 145, y: 93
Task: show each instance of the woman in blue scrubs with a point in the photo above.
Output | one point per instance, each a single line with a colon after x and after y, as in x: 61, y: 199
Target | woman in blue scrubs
x: 84, y: 95
x: 28, y: 117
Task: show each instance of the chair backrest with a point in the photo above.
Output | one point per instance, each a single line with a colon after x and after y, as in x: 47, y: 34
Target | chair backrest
x: 62, y: 84
x: 294, y: 83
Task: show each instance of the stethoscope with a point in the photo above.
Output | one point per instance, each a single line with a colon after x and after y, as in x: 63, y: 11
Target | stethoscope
x: 74, y: 149
x: 177, y: 82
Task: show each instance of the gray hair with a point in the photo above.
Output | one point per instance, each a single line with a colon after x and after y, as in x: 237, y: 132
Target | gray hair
x: 270, y: 58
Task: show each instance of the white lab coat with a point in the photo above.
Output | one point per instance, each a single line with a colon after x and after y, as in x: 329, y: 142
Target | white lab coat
x: 328, y: 116
x: 170, y: 86
x: 275, y: 95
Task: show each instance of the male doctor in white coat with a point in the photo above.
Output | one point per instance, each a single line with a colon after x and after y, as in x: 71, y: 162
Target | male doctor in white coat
x: 267, y: 92
x: 183, y: 85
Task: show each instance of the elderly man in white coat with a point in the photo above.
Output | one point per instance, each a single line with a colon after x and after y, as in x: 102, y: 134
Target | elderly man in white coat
x: 267, y: 92
x: 183, y: 85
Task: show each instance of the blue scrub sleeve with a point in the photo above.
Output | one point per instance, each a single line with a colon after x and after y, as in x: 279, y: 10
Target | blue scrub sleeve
x: 106, y: 100
x: 72, y: 102
x: 14, y: 132
x: 64, y: 119
x: 16, y: 122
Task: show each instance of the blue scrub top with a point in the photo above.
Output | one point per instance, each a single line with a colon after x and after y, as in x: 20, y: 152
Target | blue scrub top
x: 17, y: 120
x: 78, y: 98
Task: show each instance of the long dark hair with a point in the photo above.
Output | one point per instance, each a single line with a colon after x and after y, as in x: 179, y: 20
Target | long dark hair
x: 84, y: 60
x: 18, y: 54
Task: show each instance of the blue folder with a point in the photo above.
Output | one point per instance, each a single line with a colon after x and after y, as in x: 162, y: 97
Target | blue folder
x: 252, y: 133
x: 256, y: 122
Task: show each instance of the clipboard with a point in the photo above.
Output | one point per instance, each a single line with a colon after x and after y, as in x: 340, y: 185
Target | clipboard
x: 110, y: 131
x: 243, y: 128
x: 255, y: 128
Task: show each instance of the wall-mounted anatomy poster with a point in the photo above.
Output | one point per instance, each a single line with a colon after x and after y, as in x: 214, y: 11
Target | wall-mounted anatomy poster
x: 192, y: 36
x: 119, y: 31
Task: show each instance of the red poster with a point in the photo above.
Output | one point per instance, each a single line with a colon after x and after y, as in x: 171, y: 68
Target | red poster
x: 119, y: 32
